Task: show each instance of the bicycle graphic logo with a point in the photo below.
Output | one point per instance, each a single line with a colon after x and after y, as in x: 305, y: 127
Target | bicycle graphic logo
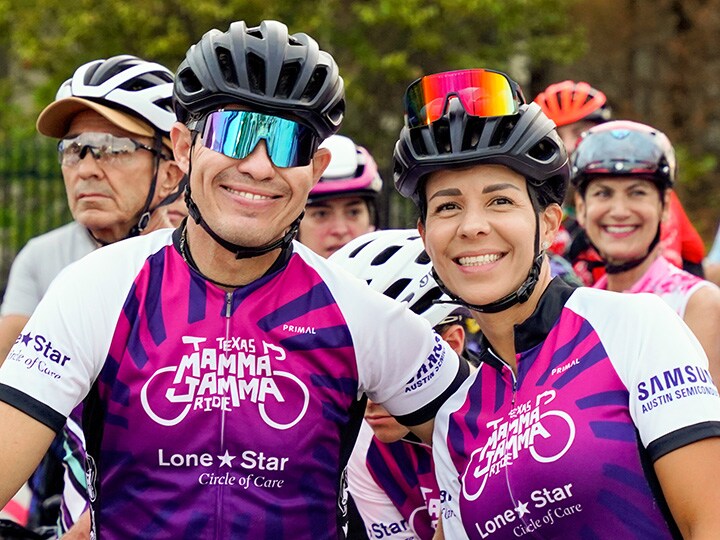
x: 210, y: 380
x: 546, y: 434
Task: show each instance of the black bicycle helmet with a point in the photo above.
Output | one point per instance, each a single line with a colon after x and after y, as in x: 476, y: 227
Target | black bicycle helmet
x: 264, y: 68
x: 621, y: 148
x: 525, y: 142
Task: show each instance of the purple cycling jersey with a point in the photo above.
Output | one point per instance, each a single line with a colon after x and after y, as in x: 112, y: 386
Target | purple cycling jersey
x: 393, y: 486
x: 606, y: 384
x: 219, y: 414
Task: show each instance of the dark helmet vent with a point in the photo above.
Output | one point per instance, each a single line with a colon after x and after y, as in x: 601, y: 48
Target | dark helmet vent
x: 543, y: 151
x: 287, y: 79
x: 256, y: 73
x: 441, y: 133
x: 317, y: 79
x: 189, y: 80
x: 473, y: 131
x: 503, y: 130
x: 394, y: 290
x: 384, y: 255
x: 227, y: 67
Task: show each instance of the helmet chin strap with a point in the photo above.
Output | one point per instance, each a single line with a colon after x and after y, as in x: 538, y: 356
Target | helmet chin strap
x: 611, y: 268
x: 521, y: 294
x: 146, y: 212
x: 240, y: 252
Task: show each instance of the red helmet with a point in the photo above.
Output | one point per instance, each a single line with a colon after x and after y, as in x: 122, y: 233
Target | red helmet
x: 567, y: 102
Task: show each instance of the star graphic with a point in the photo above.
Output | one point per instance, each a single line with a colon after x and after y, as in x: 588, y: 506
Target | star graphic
x: 521, y: 509
x: 26, y: 338
x: 226, y: 459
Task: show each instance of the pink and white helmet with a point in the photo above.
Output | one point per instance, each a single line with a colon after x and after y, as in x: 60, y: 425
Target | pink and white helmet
x: 352, y: 173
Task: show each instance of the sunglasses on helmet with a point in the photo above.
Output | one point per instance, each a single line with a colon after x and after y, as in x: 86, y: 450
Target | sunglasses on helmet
x: 236, y: 134
x: 482, y: 92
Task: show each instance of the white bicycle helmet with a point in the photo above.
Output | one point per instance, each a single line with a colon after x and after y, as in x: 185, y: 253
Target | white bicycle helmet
x: 131, y: 93
x: 394, y: 262
x: 124, y: 83
x: 352, y: 172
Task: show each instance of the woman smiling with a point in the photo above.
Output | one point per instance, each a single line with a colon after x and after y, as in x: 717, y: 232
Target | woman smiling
x: 592, y: 414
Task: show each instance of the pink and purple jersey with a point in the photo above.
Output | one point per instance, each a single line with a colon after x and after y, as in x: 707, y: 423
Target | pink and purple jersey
x: 393, y: 486
x: 673, y: 285
x: 606, y: 384
x: 219, y: 414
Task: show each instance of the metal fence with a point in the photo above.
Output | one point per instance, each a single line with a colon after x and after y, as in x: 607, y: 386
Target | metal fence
x: 33, y: 200
x: 32, y: 195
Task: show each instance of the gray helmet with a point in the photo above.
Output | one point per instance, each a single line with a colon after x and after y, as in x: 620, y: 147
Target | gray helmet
x: 525, y: 142
x: 266, y: 69
x: 620, y: 148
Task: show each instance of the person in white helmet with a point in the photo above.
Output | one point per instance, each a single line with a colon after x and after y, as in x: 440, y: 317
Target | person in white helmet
x: 343, y: 204
x: 390, y: 474
x: 112, y: 119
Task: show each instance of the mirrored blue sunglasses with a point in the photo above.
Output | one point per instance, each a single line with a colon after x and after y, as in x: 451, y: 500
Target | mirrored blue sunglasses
x: 237, y: 133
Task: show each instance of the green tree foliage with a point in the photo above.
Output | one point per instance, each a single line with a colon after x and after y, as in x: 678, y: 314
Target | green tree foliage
x: 380, y: 45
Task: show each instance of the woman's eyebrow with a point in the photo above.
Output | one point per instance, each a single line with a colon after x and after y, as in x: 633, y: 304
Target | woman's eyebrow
x: 449, y: 192
x: 499, y: 187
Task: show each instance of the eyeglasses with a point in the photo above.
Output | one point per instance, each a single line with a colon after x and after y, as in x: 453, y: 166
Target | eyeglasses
x: 105, y: 148
x: 482, y: 92
x: 237, y: 133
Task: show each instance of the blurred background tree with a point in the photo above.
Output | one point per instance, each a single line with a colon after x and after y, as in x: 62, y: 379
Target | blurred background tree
x: 655, y: 59
x: 380, y: 45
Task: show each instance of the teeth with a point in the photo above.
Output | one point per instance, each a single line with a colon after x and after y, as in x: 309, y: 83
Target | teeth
x: 618, y: 229
x: 478, y: 260
x: 246, y: 195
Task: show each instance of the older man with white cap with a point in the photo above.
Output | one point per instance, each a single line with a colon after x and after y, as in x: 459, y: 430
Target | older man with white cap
x: 112, y: 119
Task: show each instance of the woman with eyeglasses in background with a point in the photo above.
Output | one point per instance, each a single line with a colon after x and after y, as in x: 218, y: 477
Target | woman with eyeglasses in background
x: 592, y: 414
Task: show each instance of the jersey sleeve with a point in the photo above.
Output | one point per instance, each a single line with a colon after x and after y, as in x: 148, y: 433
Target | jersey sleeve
x: 380, y: 516
x: 402, y: 363
x: 673, y: 401
x: 62, y: 349
x: 23, y: 293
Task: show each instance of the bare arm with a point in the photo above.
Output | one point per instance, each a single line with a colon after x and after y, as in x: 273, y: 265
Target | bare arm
x: 23, y: 443
x: 702, y: 315
x: 439, y: 534
x: 712, y: 272
x: 10, y: 328
x: 688, y: 477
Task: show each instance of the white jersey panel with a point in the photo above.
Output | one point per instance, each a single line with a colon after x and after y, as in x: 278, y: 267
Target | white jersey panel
x: 665, y: 372
x: 381, y: 329
x: 375, y: 507
x: 80, y: 311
